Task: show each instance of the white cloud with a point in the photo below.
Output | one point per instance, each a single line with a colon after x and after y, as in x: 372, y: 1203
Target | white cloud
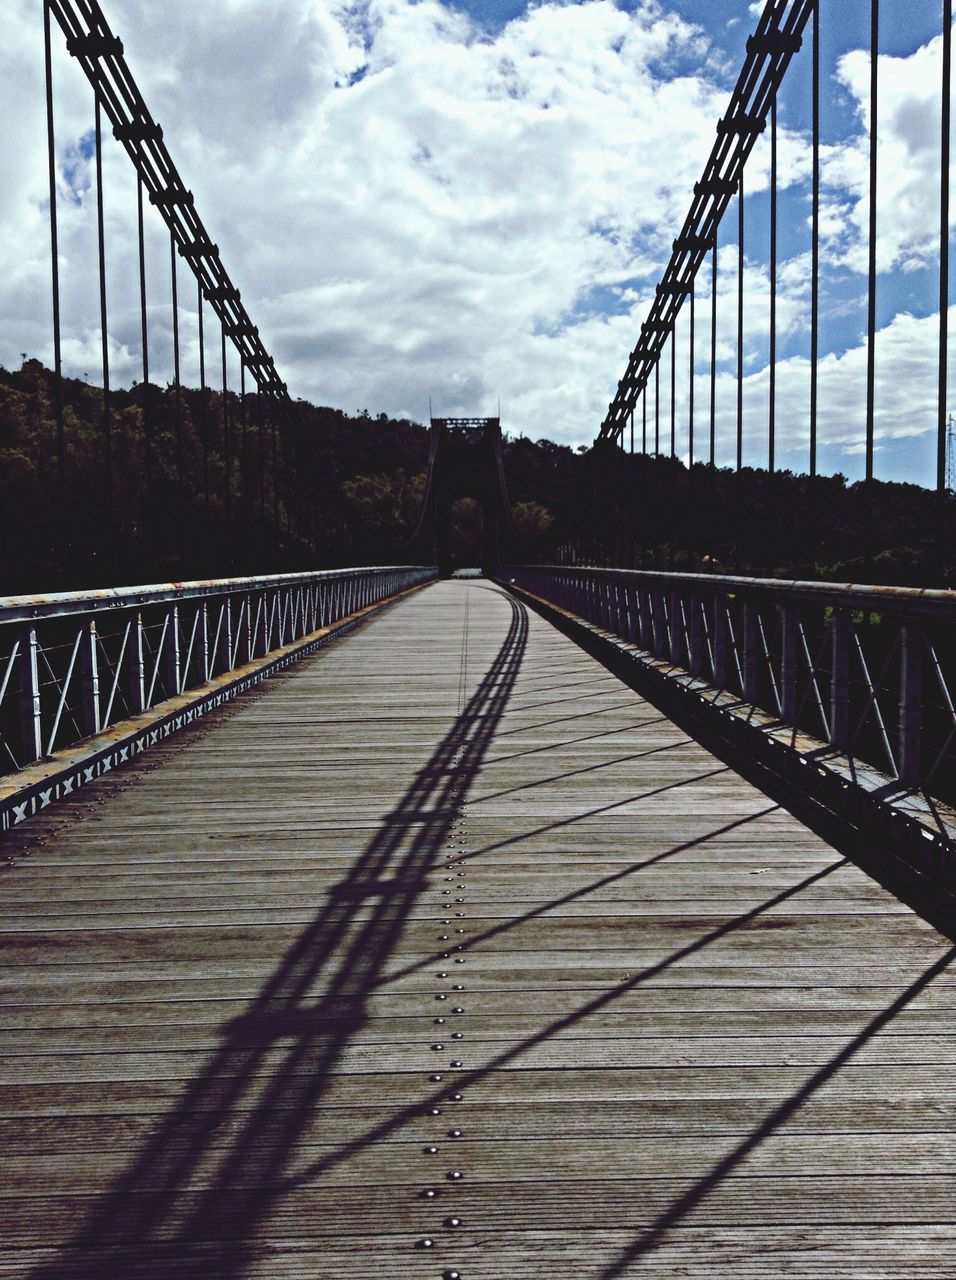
x: 412, y: 206
x: 908, y: 132
x: 408, y: 205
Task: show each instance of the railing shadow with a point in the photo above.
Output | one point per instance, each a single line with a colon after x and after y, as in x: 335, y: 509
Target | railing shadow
x: 187, y: 1200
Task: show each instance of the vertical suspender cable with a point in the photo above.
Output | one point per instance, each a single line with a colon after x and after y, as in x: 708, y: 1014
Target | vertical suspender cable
x: 690, y: 389
x: 144, y: 330
x: 644, y: 422
x: 275, y: 467
x: 111, y: 540
x: 632, y: 428
x: 243, y: 445
x: 713, y: 351
x: 944, y: 278
x: 64, y: 530
x: 674, y: 390
x: 177, y: 384
x: 815, y: 243
x: 871, y: 293
x: 740, y: 324
x: 260, y: 428
x: 657, y: 408
x: 226, y: 442
x: 772, y: 408
x: 204, y: 399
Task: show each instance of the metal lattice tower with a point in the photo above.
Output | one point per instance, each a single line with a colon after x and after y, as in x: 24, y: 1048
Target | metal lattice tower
x: 950, y: 455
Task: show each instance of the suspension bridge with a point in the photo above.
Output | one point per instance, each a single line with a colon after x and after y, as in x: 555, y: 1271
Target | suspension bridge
x: 568, y: 921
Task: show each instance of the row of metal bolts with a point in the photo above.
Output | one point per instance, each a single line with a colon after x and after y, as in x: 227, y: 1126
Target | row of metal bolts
x: 453, y: 896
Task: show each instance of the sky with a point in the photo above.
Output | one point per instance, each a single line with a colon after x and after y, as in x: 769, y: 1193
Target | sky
x: 463, y: 203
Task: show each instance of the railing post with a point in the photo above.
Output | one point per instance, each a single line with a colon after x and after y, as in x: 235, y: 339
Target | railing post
x: 31, y: 731
x: 245, y: 651
x: 633, y: 621
x: 172, y: 663
x: 647, y: 619
x: 721, y: 641
x: 751, y: 654
x: 696, y: 654
x: 658, y: 644
x: 89, y: 681
x: 911, y: 704
x: 136, y: 667
x: 201, y: 650
x: 840, y: 680
x: 227, y: 632
x: 789, y: 621
x: 675, y: 640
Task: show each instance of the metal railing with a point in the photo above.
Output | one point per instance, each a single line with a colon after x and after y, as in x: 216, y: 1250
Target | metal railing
x: 869, y: 672
x: 74, y: 664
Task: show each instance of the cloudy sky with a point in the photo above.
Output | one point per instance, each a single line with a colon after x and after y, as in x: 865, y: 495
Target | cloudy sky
x: 475, y: 200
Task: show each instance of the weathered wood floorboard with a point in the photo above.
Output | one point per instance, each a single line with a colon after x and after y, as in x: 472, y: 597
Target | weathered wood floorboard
x: 448, y: 909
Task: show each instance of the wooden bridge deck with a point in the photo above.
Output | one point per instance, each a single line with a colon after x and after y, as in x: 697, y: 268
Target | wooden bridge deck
x: 682, y: 1036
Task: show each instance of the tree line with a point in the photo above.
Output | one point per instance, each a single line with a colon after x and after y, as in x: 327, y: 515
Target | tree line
x: 167, y: 484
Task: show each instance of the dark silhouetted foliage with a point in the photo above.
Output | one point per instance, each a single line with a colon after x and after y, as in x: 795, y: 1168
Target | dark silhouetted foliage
x: 207, y: 486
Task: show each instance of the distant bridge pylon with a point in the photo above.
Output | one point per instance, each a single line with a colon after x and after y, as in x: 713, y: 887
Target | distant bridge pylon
x: 464, y: 461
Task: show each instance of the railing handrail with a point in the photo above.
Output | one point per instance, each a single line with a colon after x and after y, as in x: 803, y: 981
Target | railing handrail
x: 70, y: 603
x: 921, y: 602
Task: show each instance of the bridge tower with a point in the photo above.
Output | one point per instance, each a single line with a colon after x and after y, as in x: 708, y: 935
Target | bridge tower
x: 464, y: 461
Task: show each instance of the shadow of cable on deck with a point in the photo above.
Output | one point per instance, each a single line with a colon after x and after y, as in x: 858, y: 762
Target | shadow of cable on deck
x: 191, y: 1204
x: 639, y: 1255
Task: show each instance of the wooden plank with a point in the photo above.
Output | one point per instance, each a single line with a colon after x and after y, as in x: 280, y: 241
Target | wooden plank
x: 694, y: 1039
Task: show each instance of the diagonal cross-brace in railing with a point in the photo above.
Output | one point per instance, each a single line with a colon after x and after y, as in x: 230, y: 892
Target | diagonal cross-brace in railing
x: 860, y: 681
x: 82, y: 673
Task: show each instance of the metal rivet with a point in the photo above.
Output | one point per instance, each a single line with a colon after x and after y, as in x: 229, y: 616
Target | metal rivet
x: 457, y: 1035
x: 456, y: 1062
x: 459, y: 931
x: 454, y: 1175
x: 445, y: 955
x: 451, y: 1275
x: 430, y: 1151
x: 444, y: 937
x: 439, y: 1022
x: 446, y: 922
x: 459, y: 915
x: 455, y: 1097
x: 459, y: 899
x: 441, y: 974
x: 458, y: 1009
x: 428, y: 1193
x: 458, y: 986
x: 455, y: 1133
x: 441, y: 996
x: 426, y: 1243
x: 434, y: 1111
x: 459, y: 960
x: 453, y: 1222
x: 435, y: 1077
x: 438, y: 1046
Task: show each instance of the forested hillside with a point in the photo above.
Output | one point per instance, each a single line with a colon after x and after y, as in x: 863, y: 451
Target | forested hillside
x: 191, y: 484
